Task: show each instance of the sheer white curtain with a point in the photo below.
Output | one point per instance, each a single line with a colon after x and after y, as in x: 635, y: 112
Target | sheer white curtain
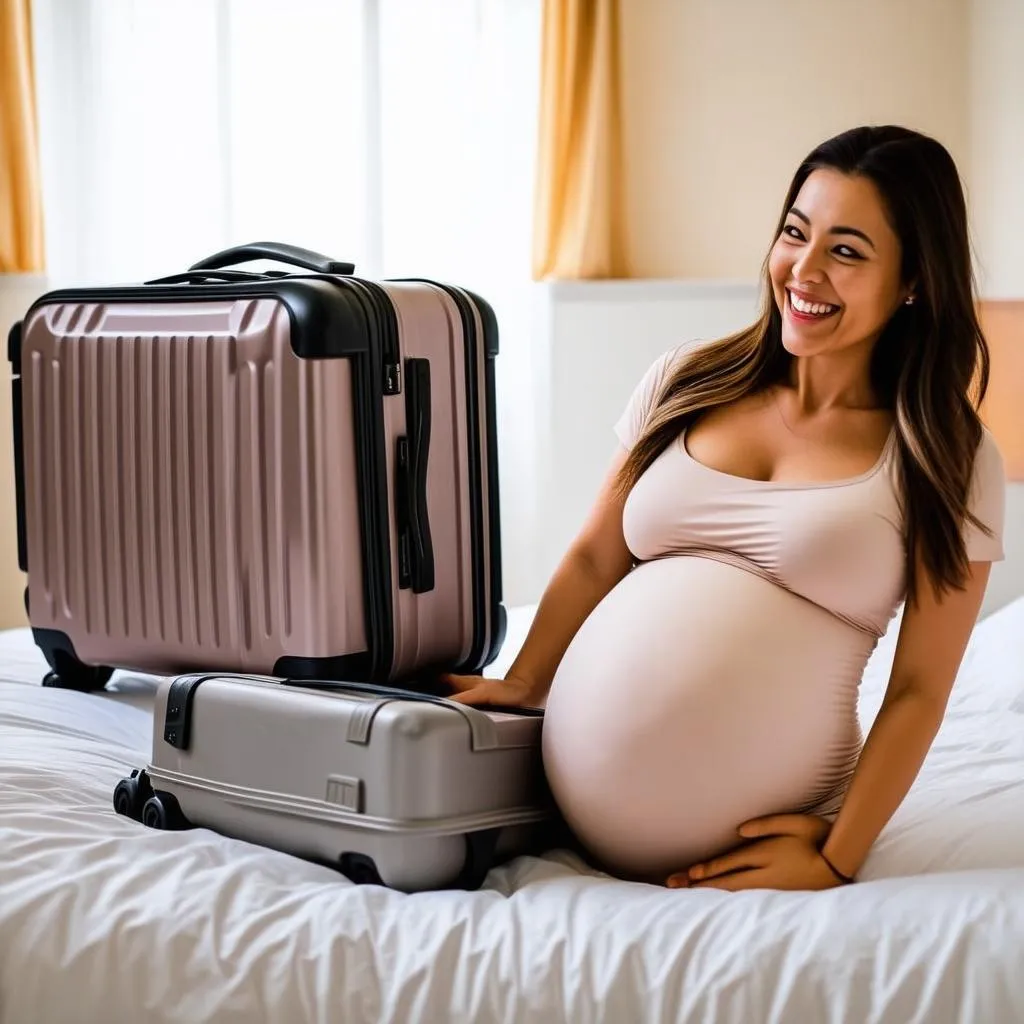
x: 171, y: 130
x: 398, y: 134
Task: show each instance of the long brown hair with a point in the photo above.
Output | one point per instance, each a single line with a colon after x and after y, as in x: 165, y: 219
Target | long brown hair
x: 930, y: 364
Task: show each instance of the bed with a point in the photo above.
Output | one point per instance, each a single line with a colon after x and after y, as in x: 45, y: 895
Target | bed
x: 102, y: 920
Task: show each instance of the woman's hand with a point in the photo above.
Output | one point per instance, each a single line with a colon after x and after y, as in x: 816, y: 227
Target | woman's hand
x: 784, y: 856
x: 512, y: 691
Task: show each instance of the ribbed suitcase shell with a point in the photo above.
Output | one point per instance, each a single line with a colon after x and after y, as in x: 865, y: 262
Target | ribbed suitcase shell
x: 412, y: 793
x: 193, y: 493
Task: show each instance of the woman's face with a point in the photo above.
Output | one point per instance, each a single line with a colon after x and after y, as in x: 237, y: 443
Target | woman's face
x: 835, y: 268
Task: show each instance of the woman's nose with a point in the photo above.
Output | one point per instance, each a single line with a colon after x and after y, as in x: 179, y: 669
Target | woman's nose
x: 809, y: 265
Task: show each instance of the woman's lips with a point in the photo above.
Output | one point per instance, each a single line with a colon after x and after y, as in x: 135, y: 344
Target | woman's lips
x: 813, y: 312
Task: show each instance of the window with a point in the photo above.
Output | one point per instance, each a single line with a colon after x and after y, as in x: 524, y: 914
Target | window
x: 397, y: 134
x: 393, y: 133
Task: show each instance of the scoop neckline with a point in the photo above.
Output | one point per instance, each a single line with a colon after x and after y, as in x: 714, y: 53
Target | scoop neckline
x: 795, y: 485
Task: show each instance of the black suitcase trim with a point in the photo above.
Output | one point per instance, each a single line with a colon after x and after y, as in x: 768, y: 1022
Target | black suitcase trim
x: 499, y: 621
x: 14, y: 358
x: 322, y: 327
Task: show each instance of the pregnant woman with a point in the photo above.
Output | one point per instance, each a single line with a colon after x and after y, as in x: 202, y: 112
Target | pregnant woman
x: 777, y: 495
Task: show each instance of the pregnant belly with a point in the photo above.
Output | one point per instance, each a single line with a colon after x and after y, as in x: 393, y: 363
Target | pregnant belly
x: 698, y: 695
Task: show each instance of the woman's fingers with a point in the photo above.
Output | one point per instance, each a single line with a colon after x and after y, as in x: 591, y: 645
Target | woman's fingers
x: 747, y: 857
x: 482, y: 693
x: 806, y: 826
x: 461, y: 683
x: 756, y: 879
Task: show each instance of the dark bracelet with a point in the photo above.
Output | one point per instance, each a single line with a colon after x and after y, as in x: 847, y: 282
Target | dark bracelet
x: 845, y: 879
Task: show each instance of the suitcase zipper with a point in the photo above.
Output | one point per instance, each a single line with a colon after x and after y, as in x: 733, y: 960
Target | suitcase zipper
x: 376, y: 553
x: 382, y: 366
x: 387, y: 333
x: 390, y: 352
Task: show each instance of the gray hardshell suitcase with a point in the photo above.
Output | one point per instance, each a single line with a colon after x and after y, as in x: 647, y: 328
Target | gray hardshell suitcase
x: 392, y: 787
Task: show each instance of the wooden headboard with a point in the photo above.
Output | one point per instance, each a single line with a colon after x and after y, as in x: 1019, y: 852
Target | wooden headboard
x: 1003, y: 408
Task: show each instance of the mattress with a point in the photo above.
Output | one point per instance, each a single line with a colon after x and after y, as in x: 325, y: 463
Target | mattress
x: 102, y: 920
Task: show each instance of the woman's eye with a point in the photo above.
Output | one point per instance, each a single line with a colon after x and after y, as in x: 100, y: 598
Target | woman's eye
x: 847, y: 252
x: 793, y: 231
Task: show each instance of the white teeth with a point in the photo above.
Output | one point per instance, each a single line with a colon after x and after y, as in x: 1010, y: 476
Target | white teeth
x: 814, y: 308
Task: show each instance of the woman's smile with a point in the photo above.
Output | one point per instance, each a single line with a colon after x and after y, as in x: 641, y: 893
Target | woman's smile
x: 804, y: 308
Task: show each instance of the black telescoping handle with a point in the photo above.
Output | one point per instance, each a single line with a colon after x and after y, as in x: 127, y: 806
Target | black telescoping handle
x: 415, y: 545
x: 283, y: 253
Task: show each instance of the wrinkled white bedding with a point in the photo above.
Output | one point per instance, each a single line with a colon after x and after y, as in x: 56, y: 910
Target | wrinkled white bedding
x: 102, y: 920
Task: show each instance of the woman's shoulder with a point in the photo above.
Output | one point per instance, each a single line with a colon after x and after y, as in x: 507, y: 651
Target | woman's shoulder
x: 647, y: 391
x: 658, y: 373
x: 988, y: 460
x: 987, y: 501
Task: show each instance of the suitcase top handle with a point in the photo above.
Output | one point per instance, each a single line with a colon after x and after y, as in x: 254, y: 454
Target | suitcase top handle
x: 293, y: 254
x: 204, y: 276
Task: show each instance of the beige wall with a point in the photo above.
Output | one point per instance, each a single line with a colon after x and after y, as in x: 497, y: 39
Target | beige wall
x: 996, y: 95
x: 723, y: 98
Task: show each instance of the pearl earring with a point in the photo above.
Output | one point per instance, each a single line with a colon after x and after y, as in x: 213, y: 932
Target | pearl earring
x: 909, y: 300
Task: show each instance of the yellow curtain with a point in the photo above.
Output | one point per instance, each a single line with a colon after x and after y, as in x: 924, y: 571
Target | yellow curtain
x: 21, y: 214
x: 578, y: 212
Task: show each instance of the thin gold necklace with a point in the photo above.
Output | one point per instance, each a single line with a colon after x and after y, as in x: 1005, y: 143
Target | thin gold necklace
x: 785, y: 422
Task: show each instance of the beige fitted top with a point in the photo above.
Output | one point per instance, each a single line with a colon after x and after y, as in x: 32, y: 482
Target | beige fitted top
x: 838, y: 544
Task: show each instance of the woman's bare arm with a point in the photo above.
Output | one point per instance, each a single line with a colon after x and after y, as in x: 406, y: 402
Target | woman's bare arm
x: 595, y: 561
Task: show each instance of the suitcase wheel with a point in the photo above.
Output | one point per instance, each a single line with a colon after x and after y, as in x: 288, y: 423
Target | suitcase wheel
x: 131, y: 794
x: 359, y: 868
x: 480, y: 851
x: 162, y: 811
x: 66, y: 671
x: 77, y: 676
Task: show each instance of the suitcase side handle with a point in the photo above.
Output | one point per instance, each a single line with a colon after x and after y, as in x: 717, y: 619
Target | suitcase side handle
x: 283, y: 253
x: 415, y: 547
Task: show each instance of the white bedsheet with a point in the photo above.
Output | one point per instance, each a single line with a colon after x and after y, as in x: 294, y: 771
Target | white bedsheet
x: 102, y: 920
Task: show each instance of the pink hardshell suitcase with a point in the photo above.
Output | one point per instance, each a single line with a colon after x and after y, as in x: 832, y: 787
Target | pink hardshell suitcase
x: 390, y: 787
x: 284, y: 473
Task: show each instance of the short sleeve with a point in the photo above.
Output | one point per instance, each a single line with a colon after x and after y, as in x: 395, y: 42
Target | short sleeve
x: 641, y: 403
x: 988, y: 502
